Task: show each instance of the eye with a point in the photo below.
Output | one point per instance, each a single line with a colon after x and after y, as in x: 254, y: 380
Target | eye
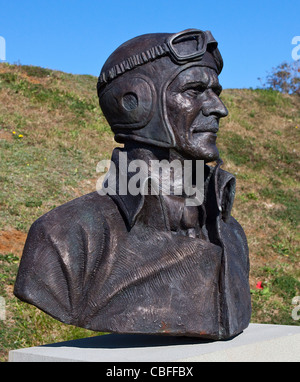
x: 194, y: 91
x: 218, y: 90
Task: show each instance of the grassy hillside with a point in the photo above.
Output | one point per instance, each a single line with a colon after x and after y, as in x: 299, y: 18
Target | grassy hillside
x: 52, y: 135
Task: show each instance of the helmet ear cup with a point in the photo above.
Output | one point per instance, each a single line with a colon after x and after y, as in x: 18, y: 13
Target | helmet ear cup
x: 128, y: 103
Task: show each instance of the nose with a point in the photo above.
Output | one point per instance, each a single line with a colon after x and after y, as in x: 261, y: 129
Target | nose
x: 213, y: 105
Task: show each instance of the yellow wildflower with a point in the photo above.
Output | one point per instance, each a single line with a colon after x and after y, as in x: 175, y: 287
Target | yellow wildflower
x: 14, y: 132
x: 20, y: 136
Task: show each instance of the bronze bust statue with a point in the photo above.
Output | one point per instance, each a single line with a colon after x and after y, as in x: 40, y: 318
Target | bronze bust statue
x: 147, y: 262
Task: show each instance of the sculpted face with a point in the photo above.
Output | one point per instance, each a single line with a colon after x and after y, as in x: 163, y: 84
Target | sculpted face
x: 194, y: 110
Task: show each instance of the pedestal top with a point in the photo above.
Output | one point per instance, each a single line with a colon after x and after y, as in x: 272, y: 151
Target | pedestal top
x: 259, y: 342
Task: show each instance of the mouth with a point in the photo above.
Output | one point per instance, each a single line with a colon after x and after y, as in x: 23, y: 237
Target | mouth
x: 211, y: 127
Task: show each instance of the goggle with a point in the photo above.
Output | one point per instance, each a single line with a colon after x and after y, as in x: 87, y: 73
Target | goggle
x: 183, y: 47
x: 188, y: 45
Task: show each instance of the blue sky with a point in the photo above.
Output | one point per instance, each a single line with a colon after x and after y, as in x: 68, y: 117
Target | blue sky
x: 77, y: 36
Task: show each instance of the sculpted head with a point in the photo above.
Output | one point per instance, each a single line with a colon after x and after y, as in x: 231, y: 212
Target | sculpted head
x: 162, y: 90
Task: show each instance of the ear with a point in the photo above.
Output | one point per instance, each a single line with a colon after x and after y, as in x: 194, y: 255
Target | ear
x: 128, y: 103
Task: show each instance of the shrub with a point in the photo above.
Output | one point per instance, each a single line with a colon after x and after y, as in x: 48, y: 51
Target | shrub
x: 285, y: 78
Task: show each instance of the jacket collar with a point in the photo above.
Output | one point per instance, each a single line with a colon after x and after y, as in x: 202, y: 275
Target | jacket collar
x: 218, y: 199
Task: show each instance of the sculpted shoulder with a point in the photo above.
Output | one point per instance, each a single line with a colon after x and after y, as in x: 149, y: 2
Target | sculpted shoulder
x: 62, y: 249
x: 83, y: 210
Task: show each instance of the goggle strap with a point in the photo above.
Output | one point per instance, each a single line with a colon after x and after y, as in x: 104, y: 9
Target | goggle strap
x: 132, y: 62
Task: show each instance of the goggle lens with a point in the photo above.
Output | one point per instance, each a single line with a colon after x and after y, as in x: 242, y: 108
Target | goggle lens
x: 187, y: 45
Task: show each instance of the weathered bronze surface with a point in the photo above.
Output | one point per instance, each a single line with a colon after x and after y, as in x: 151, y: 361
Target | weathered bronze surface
x: 151, y: 263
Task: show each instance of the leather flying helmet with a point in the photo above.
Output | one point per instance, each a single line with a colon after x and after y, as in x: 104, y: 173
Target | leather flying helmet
x: 133, y: 82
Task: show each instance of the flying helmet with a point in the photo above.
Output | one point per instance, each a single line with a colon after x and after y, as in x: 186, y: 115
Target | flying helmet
x: 133, y: 82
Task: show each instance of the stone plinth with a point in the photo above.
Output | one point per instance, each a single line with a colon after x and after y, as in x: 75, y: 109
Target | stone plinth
x: 257, y: 343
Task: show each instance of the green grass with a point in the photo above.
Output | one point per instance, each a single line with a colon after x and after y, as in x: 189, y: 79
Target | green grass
x: 273, y: 304
x: 38, y: 176
x: 289, y: 200
x: 64, y: 135
x: 240, y: 150
x: 54, y: 98
x: 36, y: 71
x: 272, y: 100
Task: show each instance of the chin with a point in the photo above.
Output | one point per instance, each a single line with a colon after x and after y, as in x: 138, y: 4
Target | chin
x: 211, y: 157
x: 204, y: 147
x: 201, y: 146
x: 207, y: 152
x: 208, y: 155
